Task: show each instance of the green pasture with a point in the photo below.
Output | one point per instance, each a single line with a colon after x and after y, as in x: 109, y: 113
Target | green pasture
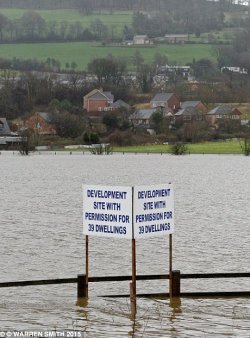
x: 70, y: 15
x: 220, y: 147
x: 83, y: 52
x: 116, y: 20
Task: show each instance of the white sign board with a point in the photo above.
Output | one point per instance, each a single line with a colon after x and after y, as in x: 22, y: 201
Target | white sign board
x: 107, y: 211
x: 153, y: 210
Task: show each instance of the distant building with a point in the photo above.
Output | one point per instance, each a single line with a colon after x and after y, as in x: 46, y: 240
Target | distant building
x: 141, y: 117
x: 223, y: 112
x: 166, y: 100
x: 40, y: 123
x: 7, y: 137
x: 235, y: 70
x: 198, y: 105
x: 142, y: 40
x: 189, y: 114
x: 176, y: 38
x: 98, y: 100
x: 4, y: 127
x: 183, y: 71
x: 120, y: 104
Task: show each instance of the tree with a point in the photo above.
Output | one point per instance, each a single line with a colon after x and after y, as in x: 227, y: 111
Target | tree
x: 160, y: 122
x: 99, y: 29
x: 4, y: 22
x: 145, y: 77
x: 33, y: 24
x: 68, y: 125
x: 28, y: 142
x: 108, y: 70
x: 137, y: 59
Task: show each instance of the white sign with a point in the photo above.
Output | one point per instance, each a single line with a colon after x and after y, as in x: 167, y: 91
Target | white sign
x: 153, y: 210
x: 107, y: 211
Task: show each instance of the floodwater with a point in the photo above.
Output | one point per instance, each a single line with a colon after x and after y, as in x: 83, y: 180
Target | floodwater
x: 41, y: 238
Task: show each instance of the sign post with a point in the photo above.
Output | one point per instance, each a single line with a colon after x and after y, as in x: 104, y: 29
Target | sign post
x: 154, y: 215
x: 107, y: 213
x: 87, y: 266
x: 125, y: 212
x: 133, y: 284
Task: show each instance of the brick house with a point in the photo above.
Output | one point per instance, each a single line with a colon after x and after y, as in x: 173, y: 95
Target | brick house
x: 40, y: 123
x: 188, y: 115
x: 98, y: 100
x: 141, y: 117
x: 167, y: 100
x: 222, y: 113
x: 197, y: 105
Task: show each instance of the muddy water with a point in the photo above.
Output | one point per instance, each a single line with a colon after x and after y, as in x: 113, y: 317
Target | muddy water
x: 41, y: 237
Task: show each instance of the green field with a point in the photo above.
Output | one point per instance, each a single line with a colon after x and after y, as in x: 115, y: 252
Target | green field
x: 116, y: 20
x: 70, y: 15
x: 227, y: 147
x: 84, y: 52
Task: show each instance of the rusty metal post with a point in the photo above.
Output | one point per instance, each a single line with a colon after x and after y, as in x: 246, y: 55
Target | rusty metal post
x: 133, y: 284
x: 86, y: 285
x: 170, y: 263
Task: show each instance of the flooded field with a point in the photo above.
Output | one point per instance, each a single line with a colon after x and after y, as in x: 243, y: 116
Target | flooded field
x: 41, y: 238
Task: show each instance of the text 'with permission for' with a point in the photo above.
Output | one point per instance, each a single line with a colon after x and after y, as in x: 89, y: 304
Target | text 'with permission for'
x: 128, y: 212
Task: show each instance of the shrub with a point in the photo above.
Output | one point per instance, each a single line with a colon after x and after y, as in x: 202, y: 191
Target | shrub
x: 178, y: 148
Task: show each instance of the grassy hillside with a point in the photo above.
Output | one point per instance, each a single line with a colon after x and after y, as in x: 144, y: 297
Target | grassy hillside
x: 83, y: 52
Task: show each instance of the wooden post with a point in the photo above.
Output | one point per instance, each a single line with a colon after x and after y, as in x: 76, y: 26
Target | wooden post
x: 81, y: 286
x: 175, y: 290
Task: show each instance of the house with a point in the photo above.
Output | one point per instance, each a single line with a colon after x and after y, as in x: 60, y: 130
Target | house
x: 223, y: 112
x: 183, y: 71
x: 141, y: 40
x: 189, y: 114
x: 141, y: 118
x: 120, y: 104
x: 238, y: 70
x: 40, y: 123
x: 198, y: 105
x: 167, y: 100
x: 176, y: 38
x: 98, y: 100
x: 7, y: 137
x: 4, y: 127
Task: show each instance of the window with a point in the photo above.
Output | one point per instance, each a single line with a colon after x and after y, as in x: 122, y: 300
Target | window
x: 187, y: 118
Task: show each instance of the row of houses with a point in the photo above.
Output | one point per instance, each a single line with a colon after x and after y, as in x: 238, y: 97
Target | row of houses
x: 169, y: 103
x: 97, y: 102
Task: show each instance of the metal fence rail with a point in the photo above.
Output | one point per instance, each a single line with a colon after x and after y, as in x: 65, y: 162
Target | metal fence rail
x: 82, y: 283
